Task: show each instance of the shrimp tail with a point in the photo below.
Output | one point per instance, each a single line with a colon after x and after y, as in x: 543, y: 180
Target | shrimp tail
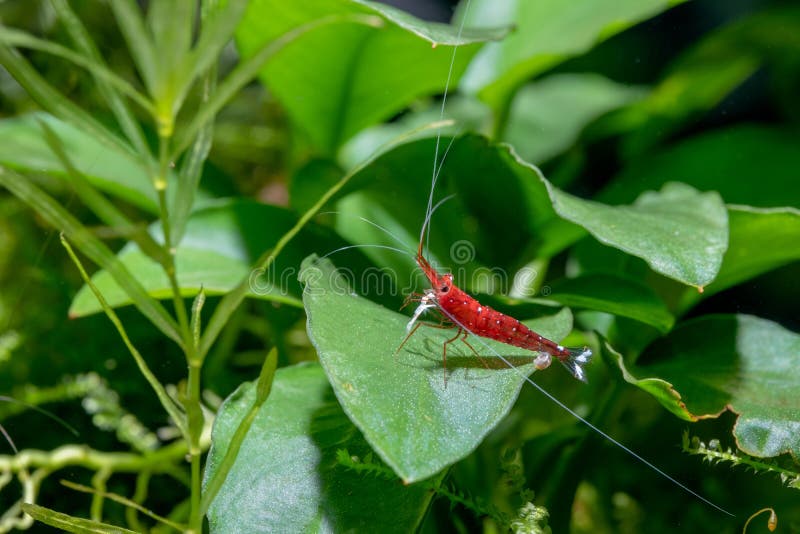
x: 576, y: 360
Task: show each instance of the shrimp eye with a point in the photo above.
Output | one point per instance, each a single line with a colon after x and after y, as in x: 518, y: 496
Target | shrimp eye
x: 445, y: 288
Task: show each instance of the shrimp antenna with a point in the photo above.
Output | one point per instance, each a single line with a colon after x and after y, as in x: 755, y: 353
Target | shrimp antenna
x: 437, y: 165
x: 585, y: 421
x: 51, y: 415
x: 373, y: 223
x: 428, y: 218
x: 369, y: 245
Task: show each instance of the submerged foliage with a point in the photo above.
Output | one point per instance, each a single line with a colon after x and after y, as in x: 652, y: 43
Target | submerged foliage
x: 619, y: 175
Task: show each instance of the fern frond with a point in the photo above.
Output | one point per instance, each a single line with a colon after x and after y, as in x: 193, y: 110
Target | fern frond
x: 713, y: 452
x: 366, y: 465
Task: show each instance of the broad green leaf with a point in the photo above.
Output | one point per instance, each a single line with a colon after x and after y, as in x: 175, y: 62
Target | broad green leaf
x: 416, y: 422
x: 761, y: 239
x: 24, y: 148
x: 286, y: 477
x: 68, y: 523
x: 613, y: 294
x: 333, y: 81
x: 747, y: 164
x: 546, y: 117
x: 737, y: 362
x: 546, y: 33
x: 679, y: 231
x: 219, y: 248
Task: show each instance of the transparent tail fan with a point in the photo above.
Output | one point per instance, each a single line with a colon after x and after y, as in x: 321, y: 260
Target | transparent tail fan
x: 576, y: 361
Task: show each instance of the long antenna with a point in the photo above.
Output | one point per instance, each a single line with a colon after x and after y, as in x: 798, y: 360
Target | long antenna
x: 437, y: 166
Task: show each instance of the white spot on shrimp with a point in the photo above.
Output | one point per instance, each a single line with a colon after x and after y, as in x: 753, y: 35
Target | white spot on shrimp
x: 480, y: 309
x: 497, y: 321
x: 560, y: 348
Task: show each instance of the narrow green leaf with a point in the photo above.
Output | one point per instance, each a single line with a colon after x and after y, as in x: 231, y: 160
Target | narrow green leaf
x: 197, y: 317
x: 51, y: 100
x: 123, y: 501
x: 69, y: 523
x: 416, y: 422
x: 192, y: 167
x: 84, y: 42
x: 129, y: 19
x: 59, y: 218
x: 166, y: 401
x: 171, y: 23
x: 613, y: 294
x: 737, y: 362
x: 264, y: 384
x: 286, y: 477
x: 263, y: 389
x: 679, y: 231
x: 105, y: 210
x: 18, y: 38
x: 216, y: 30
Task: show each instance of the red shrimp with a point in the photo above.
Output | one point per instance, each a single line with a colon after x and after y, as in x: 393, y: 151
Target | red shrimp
x: 469, y: 316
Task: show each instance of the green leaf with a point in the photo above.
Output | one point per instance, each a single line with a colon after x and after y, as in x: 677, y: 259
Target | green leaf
x: 128, y: 16
x: 546, y: 33
x: 612, y: 294
x: 67, y: 523
x: 25, y: 148
x: 761, y: 239
x: 216, y: 253
x: 680, y: 232
x: 286, y: 477
x: 737, y: 362
x: 725, y: 160
x: 84, y: 42
x: 333, y: 81
x: 416, y: 423
x: 547, y: 117
x: 101, y: 73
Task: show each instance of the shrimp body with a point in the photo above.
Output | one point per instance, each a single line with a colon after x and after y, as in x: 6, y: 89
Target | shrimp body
x: 475, y: 318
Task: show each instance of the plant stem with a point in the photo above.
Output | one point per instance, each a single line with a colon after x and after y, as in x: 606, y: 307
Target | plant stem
x: 195, y: 450
x: 163, y: 460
